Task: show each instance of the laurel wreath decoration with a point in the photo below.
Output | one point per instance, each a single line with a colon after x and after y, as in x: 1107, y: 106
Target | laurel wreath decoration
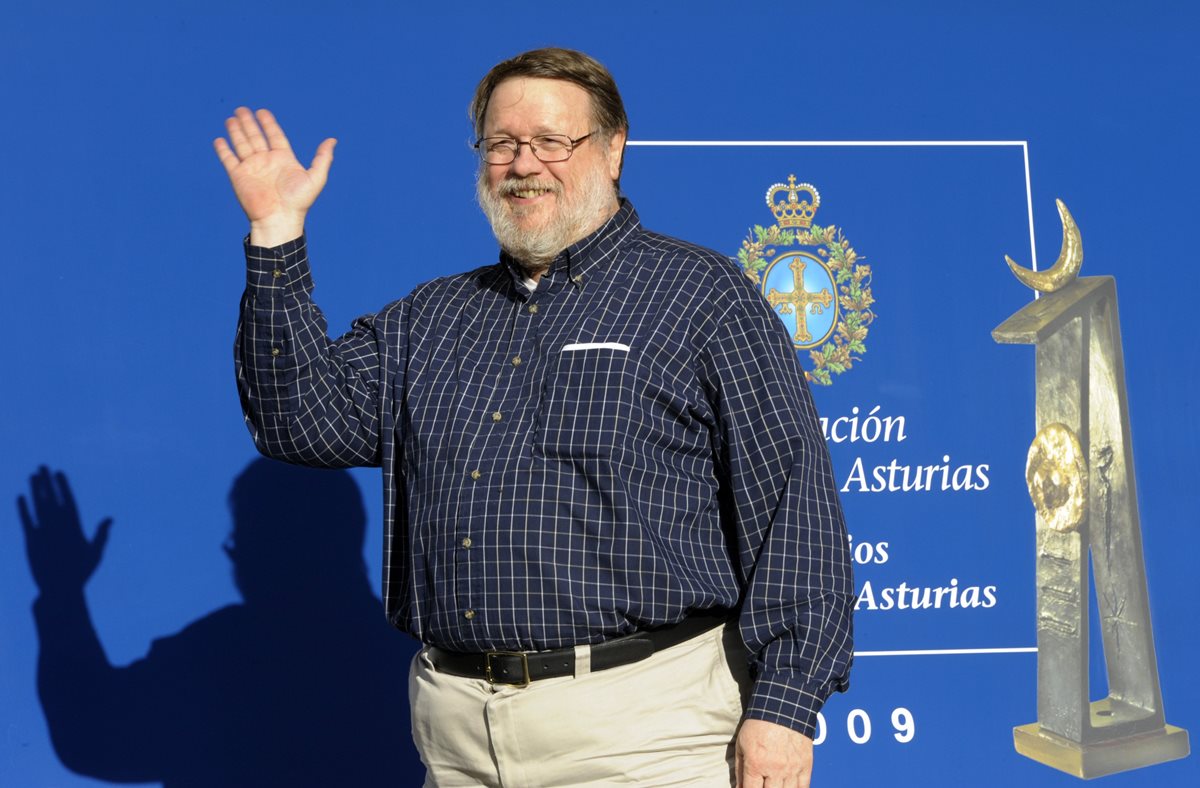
x: 853, y: 281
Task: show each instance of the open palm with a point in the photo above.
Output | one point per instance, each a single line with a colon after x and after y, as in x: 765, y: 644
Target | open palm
x: 270, y: 183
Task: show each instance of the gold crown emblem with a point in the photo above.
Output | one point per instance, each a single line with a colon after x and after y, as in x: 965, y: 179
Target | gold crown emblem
x: 793, y: 212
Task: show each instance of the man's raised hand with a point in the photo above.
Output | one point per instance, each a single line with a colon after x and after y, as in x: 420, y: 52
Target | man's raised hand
x: 273, y: 187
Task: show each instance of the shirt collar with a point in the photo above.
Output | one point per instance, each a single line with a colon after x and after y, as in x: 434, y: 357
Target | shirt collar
x: 590, y: 256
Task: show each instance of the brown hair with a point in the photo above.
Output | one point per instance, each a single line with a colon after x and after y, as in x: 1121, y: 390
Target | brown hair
x: 555, y: 63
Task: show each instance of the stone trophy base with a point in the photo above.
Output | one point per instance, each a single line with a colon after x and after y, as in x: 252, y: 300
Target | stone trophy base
x: 1102, y: 758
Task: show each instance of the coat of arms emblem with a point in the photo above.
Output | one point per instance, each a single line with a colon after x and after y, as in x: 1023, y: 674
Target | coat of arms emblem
x: 813, y: 278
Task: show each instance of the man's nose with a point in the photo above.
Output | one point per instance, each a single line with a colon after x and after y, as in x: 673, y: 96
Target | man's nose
x: 526, y: 163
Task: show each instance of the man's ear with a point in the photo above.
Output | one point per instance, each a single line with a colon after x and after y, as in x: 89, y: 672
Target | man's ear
x: 616, y: 153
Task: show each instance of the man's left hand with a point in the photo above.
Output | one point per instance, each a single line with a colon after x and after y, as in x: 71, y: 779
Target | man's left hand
x: 768, y: 755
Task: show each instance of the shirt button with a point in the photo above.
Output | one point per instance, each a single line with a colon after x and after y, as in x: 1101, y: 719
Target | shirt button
x: 516, y: 361
x: 466, y: 542
x: 476, y: 474
x: 274, y: 351
x: 497, y: 416
x: 577, y: 279
x: 277, y: 273
x: 470, y: 614
x: 533, y: 309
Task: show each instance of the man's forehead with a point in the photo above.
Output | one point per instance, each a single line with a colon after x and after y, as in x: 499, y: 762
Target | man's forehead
x: 537, y: 105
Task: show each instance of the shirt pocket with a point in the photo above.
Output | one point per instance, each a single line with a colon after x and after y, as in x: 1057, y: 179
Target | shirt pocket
x: 585, y: 402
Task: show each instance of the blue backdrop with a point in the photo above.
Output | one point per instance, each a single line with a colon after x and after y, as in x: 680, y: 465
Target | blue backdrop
x: 123, y: 270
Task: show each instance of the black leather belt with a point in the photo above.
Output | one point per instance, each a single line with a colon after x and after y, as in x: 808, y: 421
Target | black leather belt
x: 522, y: 667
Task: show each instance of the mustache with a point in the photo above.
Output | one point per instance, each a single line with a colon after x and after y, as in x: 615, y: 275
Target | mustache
x: 514, y: 185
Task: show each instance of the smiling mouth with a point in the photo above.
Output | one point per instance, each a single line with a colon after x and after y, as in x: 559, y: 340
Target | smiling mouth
x: 529, y: 194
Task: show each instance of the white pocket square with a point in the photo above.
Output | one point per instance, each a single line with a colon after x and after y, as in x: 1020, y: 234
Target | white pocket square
x: 596, y: 346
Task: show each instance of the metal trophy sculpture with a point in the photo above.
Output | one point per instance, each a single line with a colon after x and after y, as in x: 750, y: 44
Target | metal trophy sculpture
x: 1080, y: 477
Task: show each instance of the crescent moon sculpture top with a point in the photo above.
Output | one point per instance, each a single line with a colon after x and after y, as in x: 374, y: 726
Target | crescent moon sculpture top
x: 1065, y: 269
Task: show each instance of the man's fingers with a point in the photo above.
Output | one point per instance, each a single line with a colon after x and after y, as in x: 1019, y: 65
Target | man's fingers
x: 275, y: 136
x: 321, y: 161
x: 228, y: 158
x: 746, y: 777
x: 748, y: 780
x: 250, y: 129
x: 248, y: 137
x: 754, y: 780
x: 241, y: 145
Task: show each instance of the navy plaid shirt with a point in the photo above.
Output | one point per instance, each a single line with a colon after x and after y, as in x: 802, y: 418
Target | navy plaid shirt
x: 631, y: 440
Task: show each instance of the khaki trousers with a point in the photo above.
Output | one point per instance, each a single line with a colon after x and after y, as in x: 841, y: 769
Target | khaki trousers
x: 667, y: 720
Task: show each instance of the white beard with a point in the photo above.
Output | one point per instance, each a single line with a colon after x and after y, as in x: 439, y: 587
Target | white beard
x: 536, y: 248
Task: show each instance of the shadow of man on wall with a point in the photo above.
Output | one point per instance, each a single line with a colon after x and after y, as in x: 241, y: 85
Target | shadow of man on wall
x: 302, y: 684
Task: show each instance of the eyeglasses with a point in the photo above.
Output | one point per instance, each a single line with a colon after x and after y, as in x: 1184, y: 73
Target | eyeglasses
x: 546, y: 147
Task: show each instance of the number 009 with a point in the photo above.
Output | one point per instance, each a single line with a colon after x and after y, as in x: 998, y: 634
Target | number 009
x: 858, y: 726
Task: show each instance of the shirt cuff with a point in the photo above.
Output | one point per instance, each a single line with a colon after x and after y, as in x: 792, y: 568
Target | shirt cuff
x: 277, y: 268
x: 786, y: 699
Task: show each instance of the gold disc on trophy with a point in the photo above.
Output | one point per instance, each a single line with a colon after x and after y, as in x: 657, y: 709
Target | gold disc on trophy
x: 1056, y: 474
